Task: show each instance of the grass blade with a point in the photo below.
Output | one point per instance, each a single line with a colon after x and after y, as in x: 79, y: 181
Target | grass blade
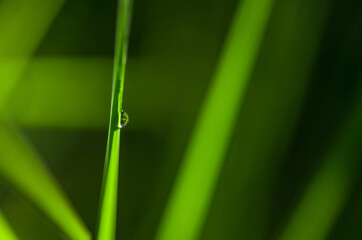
x: 20, y: 166
x: 5, y: 230
x: 194, y: 187
x: 108, y: 205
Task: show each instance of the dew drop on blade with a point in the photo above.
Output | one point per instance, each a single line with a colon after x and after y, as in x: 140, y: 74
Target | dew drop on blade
x: 124, y: 119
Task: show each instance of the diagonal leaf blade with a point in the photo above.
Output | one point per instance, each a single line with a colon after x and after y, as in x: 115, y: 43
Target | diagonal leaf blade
x: 202, y: 162
x: 20, y: 166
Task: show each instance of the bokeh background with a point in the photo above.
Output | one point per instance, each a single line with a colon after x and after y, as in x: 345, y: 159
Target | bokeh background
x: 298, y: 136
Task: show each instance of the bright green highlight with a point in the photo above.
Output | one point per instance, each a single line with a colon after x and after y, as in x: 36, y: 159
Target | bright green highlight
x: 21, y: 167
x: 327, y: 193
x: 20, y: 34
x: 108, y: 208
x: 5, y: 230
x: 189, y: 201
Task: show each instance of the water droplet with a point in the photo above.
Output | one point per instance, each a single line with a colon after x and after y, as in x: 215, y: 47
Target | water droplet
x: 124, y: 119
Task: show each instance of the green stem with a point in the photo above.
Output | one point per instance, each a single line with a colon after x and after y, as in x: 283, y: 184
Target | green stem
x: 108, y: 206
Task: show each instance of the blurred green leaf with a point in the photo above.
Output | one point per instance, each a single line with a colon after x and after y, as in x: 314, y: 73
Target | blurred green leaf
x: 267, y: 122
x: 39, y: 100
x: 202, y: 163
x: 326, y: 194
x: 20, y: 166
x: 21, y: 31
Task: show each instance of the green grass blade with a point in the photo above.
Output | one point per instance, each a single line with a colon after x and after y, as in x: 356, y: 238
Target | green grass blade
x: 108, y: 205
x: 324, y: 198
x: 20, y: 166
x: 5, y: 230
x: 20, y: 34
x: 190, y: 198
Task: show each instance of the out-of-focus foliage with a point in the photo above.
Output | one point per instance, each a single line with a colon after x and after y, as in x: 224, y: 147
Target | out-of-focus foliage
x: 190, y: 199
x: 20, y: 167
x: 293, y: 161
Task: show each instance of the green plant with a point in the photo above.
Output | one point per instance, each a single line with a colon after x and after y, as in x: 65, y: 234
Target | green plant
x: 273, y: 103
x: 108, y: 210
